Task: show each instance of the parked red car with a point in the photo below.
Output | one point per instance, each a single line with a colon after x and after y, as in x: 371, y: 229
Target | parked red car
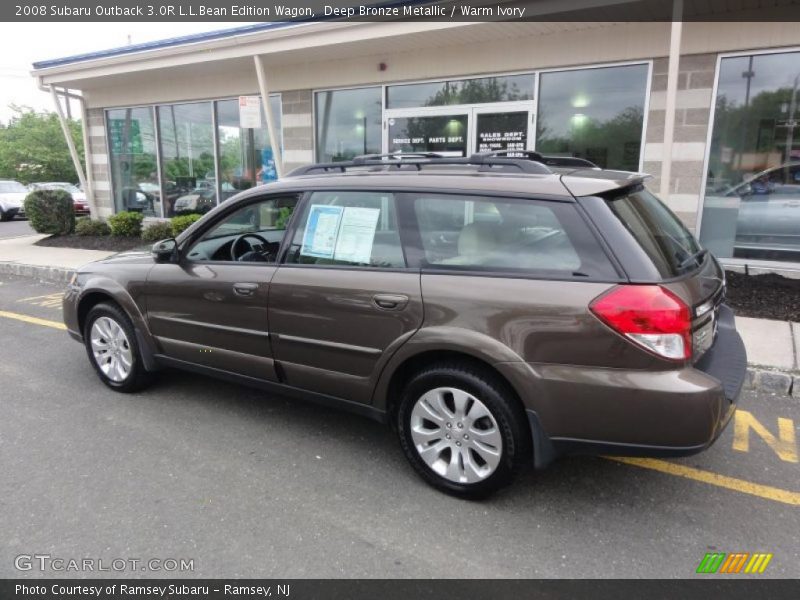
x: 78, y: 197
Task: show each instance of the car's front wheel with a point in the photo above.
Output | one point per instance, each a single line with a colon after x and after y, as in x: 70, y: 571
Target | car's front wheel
x: 462, y: 430
x: 111, y: 345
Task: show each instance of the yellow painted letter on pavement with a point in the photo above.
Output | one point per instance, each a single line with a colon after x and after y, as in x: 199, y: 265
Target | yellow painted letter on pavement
x: 785, y: 445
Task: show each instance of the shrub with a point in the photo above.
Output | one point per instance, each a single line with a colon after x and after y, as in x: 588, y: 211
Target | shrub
x: 50, y: 211
x: 126, y: 224
x: 157, y: 231
x: 182, y: 223
x: 87, y: 226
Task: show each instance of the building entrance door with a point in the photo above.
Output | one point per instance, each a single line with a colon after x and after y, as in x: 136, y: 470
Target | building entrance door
x: 460, y: 130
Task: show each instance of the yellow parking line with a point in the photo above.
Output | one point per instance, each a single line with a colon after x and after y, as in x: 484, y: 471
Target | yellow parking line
x: 731, y: 483
x: 32, y: 320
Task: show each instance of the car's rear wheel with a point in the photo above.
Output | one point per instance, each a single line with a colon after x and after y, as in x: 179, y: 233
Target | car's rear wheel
x: 462, y: 430
x: 4, y: 216
x: 112, y: 348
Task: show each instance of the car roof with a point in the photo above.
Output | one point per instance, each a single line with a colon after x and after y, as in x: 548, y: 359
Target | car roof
x: 564, y: 183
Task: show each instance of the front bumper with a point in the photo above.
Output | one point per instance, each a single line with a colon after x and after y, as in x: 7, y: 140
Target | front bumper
x: 587, y: 410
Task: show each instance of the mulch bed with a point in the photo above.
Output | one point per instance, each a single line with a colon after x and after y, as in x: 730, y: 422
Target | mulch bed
x: 767, y: 296
x: 92, y: 242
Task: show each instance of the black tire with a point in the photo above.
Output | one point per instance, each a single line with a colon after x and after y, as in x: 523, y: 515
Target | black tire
x: 497, y: 397
x: 4, y: 216
x: 138, y: 377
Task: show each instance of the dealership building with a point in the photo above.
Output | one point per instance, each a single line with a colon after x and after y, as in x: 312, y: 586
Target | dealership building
x: 709, y: 108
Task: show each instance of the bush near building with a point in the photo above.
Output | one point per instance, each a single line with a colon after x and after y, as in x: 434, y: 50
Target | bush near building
x: 181, y: 223
x: 91, y: 227
x: 126, y: 224
x: 157, y: 231
x: 50, y: 211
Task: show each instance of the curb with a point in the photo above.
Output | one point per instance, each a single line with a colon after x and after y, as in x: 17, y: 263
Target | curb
x: 786, y: 383
x: 42, y: 273
x: 763, y: 379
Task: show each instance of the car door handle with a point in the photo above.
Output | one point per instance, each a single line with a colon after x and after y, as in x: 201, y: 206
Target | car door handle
x: 390, y: 301
x: 244, y: 289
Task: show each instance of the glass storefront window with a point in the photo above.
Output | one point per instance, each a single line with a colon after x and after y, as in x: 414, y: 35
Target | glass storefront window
x: 132, y: 147
x: 348, y: 123
x: 505, y: 88
x: 243, y: 152
x: 187, y: 158
x: 596, y: 114
x: 751, y: 207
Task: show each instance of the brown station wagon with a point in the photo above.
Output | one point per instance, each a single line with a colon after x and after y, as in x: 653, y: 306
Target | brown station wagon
x: 496, y: 311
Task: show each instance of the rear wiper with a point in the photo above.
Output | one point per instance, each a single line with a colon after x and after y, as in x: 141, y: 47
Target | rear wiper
x: 696, y: 257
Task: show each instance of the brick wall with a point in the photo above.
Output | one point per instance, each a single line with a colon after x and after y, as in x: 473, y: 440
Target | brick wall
x: 297, y: 124
x: 693, y: 109
x: 100, y: 174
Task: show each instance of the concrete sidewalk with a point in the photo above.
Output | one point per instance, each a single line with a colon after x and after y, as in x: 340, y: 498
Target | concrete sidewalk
x: 773, y: 347
x: 23, y: 250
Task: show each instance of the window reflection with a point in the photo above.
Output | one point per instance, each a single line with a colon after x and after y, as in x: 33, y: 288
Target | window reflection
x: 348, y: 123
x: 187, y: 158
x: 243, y: 153
x: 506, y: 88
x: 752, y: 202
x: 596, y: 114
x: 132, y: 147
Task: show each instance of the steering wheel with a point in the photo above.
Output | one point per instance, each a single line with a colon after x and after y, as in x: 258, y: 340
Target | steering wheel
x: 235, y: 255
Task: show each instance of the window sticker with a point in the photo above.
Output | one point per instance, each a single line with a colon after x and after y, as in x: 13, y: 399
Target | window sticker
x: 356, y: 234
x: 322, y: 229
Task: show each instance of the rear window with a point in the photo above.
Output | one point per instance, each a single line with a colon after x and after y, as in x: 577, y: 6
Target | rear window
x: 479, y: 233
x: 657, y: 230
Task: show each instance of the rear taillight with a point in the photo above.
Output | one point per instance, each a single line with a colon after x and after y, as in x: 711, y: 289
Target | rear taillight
x: 650, y: 316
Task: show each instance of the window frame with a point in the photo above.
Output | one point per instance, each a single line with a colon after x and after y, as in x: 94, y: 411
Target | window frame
x: 294, y: 225
x: 532, y: 274
x: 188, y: 243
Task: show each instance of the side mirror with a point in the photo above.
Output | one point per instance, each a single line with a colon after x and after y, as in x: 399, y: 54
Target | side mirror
x: 165, y: 251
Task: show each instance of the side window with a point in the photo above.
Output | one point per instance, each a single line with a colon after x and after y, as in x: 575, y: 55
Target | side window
x: 485, y: 233
x: 348, y: 228
x: 252, y: 233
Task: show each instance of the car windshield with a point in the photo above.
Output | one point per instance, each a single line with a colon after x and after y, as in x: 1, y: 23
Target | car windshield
x: 12, y: 187
x: 658, y: 231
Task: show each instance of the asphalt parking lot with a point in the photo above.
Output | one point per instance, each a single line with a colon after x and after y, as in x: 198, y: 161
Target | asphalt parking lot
x: 15, y: 228
x: 250, y: 485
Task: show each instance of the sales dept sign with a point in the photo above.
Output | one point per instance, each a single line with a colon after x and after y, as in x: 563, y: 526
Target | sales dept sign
x: 250, y: 112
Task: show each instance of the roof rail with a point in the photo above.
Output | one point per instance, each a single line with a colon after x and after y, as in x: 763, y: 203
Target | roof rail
x: 407, y: 161
x: 550, y: 161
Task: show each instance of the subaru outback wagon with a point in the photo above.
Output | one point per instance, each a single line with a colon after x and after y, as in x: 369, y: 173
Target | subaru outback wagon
x: 496, y: 311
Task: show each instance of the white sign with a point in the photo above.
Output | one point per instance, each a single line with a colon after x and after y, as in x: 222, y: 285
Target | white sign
x: 250, y: 112
x: 340, y: 233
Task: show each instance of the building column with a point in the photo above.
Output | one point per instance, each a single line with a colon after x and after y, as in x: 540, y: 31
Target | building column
x: 273, y: 137
x: 671, y: 97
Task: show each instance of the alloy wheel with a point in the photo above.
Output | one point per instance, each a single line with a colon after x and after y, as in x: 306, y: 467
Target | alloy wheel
x: 456, y: 435
x: 111, y: 349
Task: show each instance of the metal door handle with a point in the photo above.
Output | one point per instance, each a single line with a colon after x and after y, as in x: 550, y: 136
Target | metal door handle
x: 244, y: 289
x: 390, y: 301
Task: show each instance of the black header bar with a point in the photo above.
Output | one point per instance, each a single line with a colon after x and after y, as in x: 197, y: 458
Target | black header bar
x: 392, y: 10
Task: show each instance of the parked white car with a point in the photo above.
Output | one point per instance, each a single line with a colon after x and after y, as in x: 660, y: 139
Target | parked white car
x: 12, y: 195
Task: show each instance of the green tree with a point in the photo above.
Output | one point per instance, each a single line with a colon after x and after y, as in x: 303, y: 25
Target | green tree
x: 33, y: 148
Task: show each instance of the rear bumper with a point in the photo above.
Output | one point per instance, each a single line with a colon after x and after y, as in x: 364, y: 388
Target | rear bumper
x: 587, y: 410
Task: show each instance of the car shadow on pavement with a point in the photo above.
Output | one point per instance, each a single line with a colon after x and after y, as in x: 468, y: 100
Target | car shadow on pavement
x: 568, y: 482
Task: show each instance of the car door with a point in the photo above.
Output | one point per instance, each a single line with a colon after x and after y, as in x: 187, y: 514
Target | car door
x: 343, y: 299
x: 210, y: 307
